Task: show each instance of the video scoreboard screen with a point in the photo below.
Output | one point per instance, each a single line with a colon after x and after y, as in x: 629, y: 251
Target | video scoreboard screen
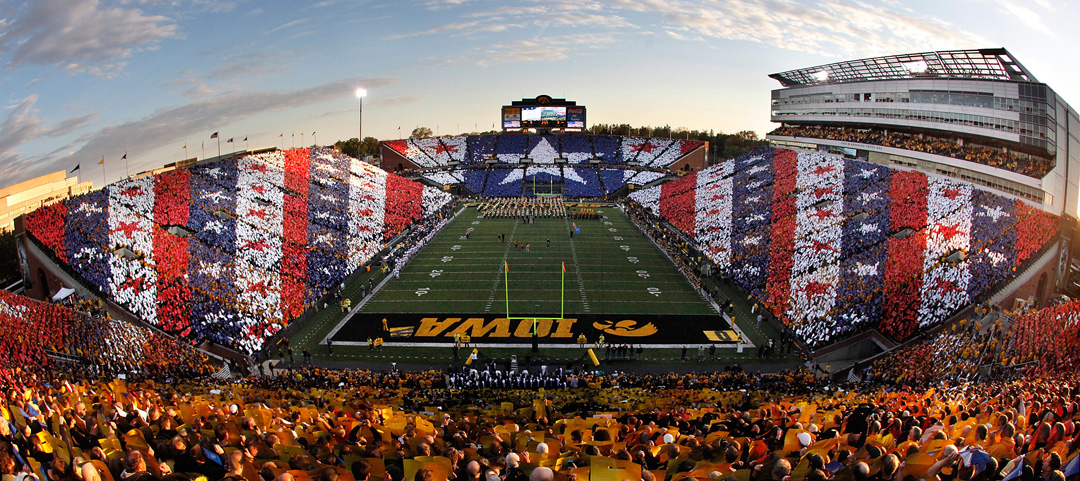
x: 543, y: 113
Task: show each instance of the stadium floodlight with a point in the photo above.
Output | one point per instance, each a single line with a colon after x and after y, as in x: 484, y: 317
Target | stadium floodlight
x: 360, y: 94
x: 821, y: 75
x: 916, y: 67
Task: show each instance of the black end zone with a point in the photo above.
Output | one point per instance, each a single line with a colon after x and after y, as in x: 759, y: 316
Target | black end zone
x: 494, y: 329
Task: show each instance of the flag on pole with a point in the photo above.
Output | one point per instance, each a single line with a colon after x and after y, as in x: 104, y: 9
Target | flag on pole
x: 313, y: 133
x: 102, y: 161
x: 213, y: 135
x: 564, y: 267
x: 507, y: 266
x: 229, y: 141
x: 124, y: 157
x: 282, y: 135
x: 76, y: 168
x: 245, y: 139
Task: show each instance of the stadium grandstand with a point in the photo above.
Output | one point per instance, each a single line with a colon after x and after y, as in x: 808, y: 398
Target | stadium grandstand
x: 507, y: 165
x: 975, y: 115
x: 891, y: 311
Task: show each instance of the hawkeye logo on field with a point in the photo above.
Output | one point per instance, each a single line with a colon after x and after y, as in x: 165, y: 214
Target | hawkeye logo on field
x: 626, y: 328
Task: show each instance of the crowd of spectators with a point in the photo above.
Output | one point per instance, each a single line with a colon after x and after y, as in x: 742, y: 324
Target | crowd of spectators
x: 832, y: 246
x: 232, y: 251
x: 441, y: 152
x: 38, y: 337
x: 545, y: 425
x: 1027, y: 164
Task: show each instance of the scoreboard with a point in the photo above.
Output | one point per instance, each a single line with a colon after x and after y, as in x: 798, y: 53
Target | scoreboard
x: 544, y: 113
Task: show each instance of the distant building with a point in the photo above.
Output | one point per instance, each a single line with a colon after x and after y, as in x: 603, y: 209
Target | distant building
x: 24, y: 197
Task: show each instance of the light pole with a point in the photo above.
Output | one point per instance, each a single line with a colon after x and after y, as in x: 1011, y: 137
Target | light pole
x: 360, y: 93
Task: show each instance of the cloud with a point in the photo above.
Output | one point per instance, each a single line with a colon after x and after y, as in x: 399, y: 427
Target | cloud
x: 831, y: 28
x: 452, y: 28
x: 80, y: 35
x: 175, y: 124
x: 395, y: 101
x: 1027, y: 16
x: 540, y: 49
x: 254, y: 65
x: 286, y: 25
x: 22, y: 125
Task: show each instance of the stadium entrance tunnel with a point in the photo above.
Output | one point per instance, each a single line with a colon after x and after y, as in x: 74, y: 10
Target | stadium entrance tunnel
x: 492, y: 329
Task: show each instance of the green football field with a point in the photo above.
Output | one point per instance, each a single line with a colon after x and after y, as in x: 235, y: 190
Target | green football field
x: 611, y: 268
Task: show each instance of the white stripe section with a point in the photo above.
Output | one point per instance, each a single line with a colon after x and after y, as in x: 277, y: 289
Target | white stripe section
x: 133, y: 283
x: 713, y: 212
x: 434, y: 199
x: 945, y: 285
x: 818, y: 230
x: 367, y: 208
x: 648, y: 198
x: 260, y: 213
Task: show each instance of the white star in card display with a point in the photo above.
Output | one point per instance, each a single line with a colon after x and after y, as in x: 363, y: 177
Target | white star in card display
x: 519, y: 174
x: 866, y: 269
x: 994, y: 212
x: 88, y: 208
x: 751, y: 199
x: 752, y: 241
x: 324, y: 239
x: 756, y: 218
x: 215, y: 226
x: 868, y: 228
x: 215, y: 196
x: 866, y: 197
x: 866, y: 173
x: 996, y: 257
x: 755, y: 170
x: 543, y: 153
x: 211, y: 269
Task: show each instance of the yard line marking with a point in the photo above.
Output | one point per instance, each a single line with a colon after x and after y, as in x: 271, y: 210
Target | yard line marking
x: 577, y: 270
x: 498, y: 277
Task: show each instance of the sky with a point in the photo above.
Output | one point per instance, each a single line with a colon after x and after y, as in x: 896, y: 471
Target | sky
x: 86, y: 80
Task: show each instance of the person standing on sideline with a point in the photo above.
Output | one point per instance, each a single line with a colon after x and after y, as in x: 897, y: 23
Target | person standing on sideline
x: 684, y: 354
x: 549, y: 243
x: 330, y: 346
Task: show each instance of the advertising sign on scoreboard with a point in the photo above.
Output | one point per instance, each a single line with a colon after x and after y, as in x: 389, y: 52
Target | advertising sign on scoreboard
x: 575, y: 117
x: 511, y: 117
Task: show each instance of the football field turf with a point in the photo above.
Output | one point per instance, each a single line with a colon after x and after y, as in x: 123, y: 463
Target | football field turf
x: 611, y: 268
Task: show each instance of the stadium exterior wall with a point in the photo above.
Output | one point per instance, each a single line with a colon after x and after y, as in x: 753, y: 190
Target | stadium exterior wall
x: 694, y: 161
x: 392, y: 160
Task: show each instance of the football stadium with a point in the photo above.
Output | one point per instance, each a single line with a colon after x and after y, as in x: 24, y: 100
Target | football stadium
x: 878, y: 290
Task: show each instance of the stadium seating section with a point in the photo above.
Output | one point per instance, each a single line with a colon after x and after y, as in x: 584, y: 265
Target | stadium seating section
x: 35, y: 335
x: 833, y: 246
x: 231, y: 251
x: 582, y: 176
x: 914, y: 421
x: 1029, y: 165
